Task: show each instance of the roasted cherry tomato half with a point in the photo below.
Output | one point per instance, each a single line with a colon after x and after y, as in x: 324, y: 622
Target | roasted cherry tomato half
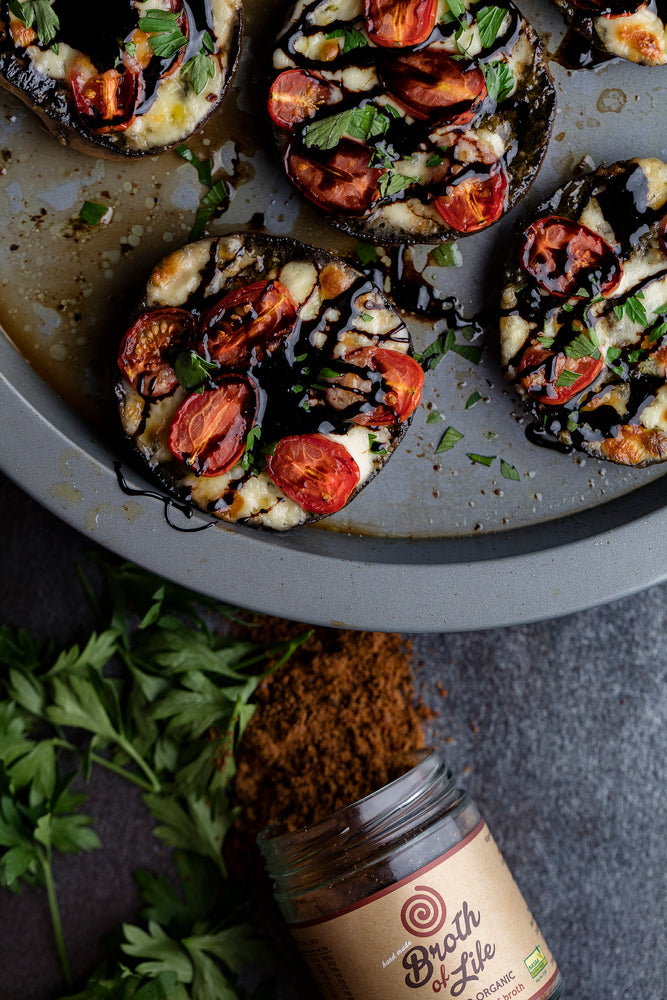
x: 316, y: 472
x: 376, y: 402
x: 562, y: 255
x: 247, y: 324
x: 296, y: 95
x: 209, y: 431
x: 549, y: 378
x: 431, y: 84
x: 473, y: 202
x: 142, y: 357
x: 338, y: 181
x: 397, y: 24
x: 106, y: 99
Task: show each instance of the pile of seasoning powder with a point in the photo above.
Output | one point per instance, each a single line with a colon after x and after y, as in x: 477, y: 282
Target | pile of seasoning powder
x: 332, y: 725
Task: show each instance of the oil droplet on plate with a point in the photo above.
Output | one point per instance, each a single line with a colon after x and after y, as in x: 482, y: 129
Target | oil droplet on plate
x: 611, y: 99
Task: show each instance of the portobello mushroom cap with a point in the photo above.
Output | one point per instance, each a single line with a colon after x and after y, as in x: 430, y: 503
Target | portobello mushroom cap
x: 117, y: 89
x: 410, y: 124
x: 264, y: 381
x: 629, y: 29
x: 583, y: 315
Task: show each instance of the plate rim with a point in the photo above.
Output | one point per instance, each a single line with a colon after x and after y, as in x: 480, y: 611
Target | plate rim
x: 335, y: 578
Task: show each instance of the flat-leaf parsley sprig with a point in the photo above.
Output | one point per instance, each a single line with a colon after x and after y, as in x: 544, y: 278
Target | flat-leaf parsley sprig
x: 162, y: 699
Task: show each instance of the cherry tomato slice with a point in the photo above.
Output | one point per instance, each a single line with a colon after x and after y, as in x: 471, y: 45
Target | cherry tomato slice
x: 341, y: 180
x: 474, y: 202
x: 316, y: 472
x: 397, y: 24
x: 541, y: 370
x: 296, y: 95
x: 142, y: 355
x: 209, y: 431
x: 248, y: 324
x: 397, y: 395
x: 105, y: 99
x: 430, y: 84
x: 562, y: 255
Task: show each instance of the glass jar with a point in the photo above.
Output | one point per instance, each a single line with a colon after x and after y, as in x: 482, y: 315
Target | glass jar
x: 404, y: 894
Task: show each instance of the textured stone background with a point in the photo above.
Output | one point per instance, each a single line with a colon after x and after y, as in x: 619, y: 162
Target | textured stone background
x: 557, y: 729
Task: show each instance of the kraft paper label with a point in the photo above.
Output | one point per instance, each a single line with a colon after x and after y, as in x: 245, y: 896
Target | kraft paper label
x: 458, y: 928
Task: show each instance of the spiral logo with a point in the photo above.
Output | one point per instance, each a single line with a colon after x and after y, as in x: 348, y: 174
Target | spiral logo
x: 424, y: 913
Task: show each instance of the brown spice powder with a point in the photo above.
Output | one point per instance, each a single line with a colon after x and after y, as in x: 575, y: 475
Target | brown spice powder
x: 331, y: 726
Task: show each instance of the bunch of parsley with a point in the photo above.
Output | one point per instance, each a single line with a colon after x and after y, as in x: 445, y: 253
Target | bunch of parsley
x: 162, y: 699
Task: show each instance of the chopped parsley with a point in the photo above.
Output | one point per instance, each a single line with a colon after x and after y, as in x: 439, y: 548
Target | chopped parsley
x: 93, y: 213
x: 437, y: 157
x: 499, y: 80
x: 166, y: 37
x: 358, y: 123
x: 436, y: 351
x: 252, y: 440
x: 192, y: 371
x: 508, y: 471
x: 376, y: 446
x: 585, y: 345
x: 448, y: 440
x: 215, y: 198
x: 391, y: 182
x: 434, y: 417
x: 545, y: 341
x: 201, y: 67
x: 366, y: 253
x: 634, y: 309
x: 38, y: 14
x: 353, y: 39
x: 613, y: 354
x: 447, y: 255
x: 473, y: 398
x: 469, y: 352
x: 567, y: 378
x: 481, y: 459
x: 657, y: 332
x: 489, y: 21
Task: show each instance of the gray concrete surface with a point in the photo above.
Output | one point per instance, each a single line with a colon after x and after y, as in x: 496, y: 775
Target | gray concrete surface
x: 557, y: 728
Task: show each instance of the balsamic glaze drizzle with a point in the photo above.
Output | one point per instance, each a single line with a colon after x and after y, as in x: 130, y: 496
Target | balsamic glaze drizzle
x: 167, y: 502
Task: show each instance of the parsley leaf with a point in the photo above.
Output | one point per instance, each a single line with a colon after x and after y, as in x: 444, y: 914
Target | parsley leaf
x: 447, y: 255
x: 391, y: 182
x: 39, y: 13
x: 437, y: 158
x: 353, y: 38
x: 481, y: 459
x: 508, y: 471
x: 358, y: 123
x: 469, y: 352
x: 200, y: 69
x: 436, y: 351
x: 457, y: 9
x: 165, y: 35
x: 567, y: 378
x: 657, y: 332
x: 489, y: 21
x: 634, y: 309
x: 93, y: 213
x: 473, y: 398
x: 366, y: 253
x: 584, y: 345
x: 499, y: 79
x: 192, y: 370
x: 448, y: 440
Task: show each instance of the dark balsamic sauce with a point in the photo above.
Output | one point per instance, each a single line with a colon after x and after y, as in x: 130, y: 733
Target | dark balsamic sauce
x: 576, y: 51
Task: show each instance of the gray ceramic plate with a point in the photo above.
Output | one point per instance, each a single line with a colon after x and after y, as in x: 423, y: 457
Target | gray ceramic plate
x: 437, y: 542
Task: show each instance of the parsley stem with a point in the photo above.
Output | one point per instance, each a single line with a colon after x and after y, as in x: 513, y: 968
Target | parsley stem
x: 149, y: 786
x: 55, y: 915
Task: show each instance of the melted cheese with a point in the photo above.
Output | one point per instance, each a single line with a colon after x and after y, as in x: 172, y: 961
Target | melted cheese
x: 640, y: 37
